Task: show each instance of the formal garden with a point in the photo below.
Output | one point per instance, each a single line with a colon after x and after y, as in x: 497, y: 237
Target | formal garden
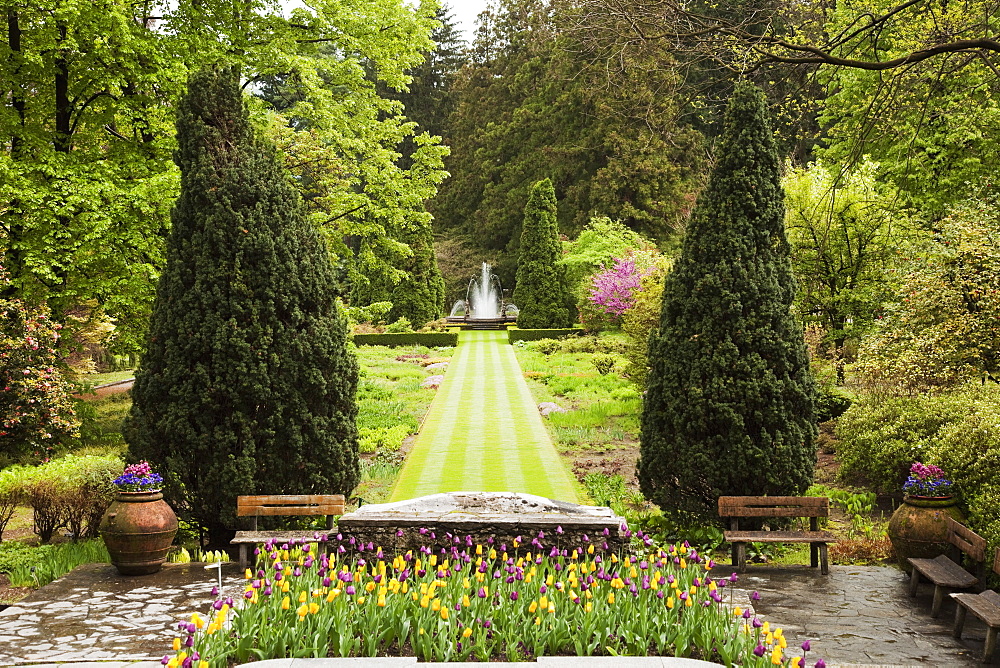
x: 722, y: 277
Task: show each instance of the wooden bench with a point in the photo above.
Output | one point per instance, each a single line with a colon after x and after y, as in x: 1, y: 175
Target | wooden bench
x: 813, y: 507
x: 986, y: 606
x: 946, y: 573
x: 283, y: 506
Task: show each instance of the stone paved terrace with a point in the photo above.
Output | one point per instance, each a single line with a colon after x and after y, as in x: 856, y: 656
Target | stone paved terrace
x: 855, y: 616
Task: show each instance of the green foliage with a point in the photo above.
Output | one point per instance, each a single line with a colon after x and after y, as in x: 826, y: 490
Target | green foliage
x: 984, y: 517
x: 541, y: 291
x: 41, y: 565
x: 36, y: 413
x: 604, y: 363
x: 729, y: 404
x: 382, y: 438
x: 101, y: 422
x: 247, y: 385
x: 930, y: 126
x: 831, y: 401
x: 597, y: 244
x: 517, y: 334
x: 370, y: 314
x: 430, y: 339
x: 15, y: 553
x: 86, y: 180
x: 944, y: 328
x: 12, y: 493
x: 400, y: 326
x: 845, y: 231
x: 641, y: 323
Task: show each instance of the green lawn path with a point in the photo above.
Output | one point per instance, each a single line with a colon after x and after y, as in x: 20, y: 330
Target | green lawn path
x: 483, y: 432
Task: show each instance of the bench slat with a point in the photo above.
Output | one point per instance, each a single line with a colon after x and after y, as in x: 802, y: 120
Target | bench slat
x: 779, y: 537
x: 966, y: 540
x: 264, y: 536
x: 292, y: 504
x: 774, y: 506
x: 996, y: 562
x: 944, y: 572
x: 980, y: 607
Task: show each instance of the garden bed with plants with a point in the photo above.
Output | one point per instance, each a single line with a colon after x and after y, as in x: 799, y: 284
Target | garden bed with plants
x: 482, y: 602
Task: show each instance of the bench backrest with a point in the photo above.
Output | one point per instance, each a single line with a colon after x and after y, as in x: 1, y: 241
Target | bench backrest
x: 774, y: 506
x: 290, y: 504
x: 966, y: 540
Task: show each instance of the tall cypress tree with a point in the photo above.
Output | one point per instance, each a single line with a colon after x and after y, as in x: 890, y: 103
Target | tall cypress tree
x: 247, y: 385
x: 541, y: 291
x: 729, y: 406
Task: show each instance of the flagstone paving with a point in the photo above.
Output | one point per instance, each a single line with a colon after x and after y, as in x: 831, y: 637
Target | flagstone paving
x: 860, y: 615
x: 483, y: 432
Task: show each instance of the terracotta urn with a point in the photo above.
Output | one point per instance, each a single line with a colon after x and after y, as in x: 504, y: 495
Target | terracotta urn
x: 138, y: 529
x: 919, y: 527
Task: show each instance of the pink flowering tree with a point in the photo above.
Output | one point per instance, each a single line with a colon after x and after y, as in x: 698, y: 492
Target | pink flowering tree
x: 612, y: 290
x: 36, y: 412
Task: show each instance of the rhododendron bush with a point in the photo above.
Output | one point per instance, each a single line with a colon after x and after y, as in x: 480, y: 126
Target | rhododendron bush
x: 36, y: 411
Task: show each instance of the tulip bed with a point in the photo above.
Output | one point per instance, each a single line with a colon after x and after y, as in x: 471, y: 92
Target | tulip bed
x: 479, y: 602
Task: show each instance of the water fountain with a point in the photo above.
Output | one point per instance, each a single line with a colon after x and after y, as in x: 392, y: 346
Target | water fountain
x: 484, y: 306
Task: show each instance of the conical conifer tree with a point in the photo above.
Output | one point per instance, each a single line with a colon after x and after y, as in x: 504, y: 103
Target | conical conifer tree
x: 729, y: 405
x: 541, y: 293
x: 247, y: 385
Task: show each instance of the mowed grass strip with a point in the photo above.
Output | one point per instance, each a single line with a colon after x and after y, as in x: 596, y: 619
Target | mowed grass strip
x: 483, y: 432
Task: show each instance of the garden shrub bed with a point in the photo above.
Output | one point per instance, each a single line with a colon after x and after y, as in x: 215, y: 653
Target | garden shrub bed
x: 514, y: 334
x: 480, y: 602
x: 429, y: 339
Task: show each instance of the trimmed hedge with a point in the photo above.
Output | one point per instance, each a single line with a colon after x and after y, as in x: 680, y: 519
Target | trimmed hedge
x: 539, y: 334
x: 429, y: 339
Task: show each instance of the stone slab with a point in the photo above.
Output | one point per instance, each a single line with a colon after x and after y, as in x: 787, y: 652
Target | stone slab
x: 485, y: 516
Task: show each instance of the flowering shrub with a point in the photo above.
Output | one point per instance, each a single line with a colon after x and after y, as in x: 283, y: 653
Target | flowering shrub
x: 927, y: 480
x: 611, y: 288
x: 478, y: 602
x: 36, y: 412
x: 139, y: 478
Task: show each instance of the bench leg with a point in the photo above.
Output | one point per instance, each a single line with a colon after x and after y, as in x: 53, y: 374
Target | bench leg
x: 824, y: 560
x: 740, y: 557
x: 991, y: 644
x: 938, y: 600
x: 244, y: 561
x: 813, y: 555
x: 914, y: 581
x: 956, y: 630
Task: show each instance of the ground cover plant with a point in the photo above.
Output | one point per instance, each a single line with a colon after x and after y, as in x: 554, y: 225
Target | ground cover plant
x: 537, y: 596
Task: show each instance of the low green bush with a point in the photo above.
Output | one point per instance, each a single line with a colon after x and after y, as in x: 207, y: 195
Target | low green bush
x: 831, y: 402
x: 71, y: 492
x: 11, y: 493
x: 429, y: 339
x: 880, y: 437
x: 537, y: 334
x: 604, y: 363
x: 382, y: 438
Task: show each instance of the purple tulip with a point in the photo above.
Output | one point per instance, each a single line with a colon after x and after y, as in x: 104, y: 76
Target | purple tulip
x: 350, y: 591
x: 806, y: 646
x: 821, y: 664
x: 755, y: 596
x: 759, y: 650
x: 513, y: 595
x: 165, y: 660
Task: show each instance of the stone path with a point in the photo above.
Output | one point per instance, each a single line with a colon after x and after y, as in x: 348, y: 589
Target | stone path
x: 860, y: 615
x: 483, y: 432
x: 94, y: 614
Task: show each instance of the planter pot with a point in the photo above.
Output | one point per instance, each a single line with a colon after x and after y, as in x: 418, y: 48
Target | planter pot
x: 138, y: 529
x: 919, y: 527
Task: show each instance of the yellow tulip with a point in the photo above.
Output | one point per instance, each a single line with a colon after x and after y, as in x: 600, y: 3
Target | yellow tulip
x: 467, y: 632
x: 361, y: 600
x: 590, y: 549
x: 444, y: 614
x: 552, y: 607
x: 538, y: 621
x: 588, y: 607
x: 313, y: 608
x: 248, y: 575
x: 543, y: 602
x: 689, y: 602
x: 197, y: 621
x: 370, y: 587
x: 465, y: 601
x: 286, y: 603
x: 436, y: 605
x: 479, y: 550
x: 670, y: 602
x: 424, y: 601
x: 737, y: 611
x: 381, y: 601
x: 302, y: 597
x: 177, y: 644
x: 302, y: 611
x: 531, y: 611
x: 611, y: 598
x: 776, y: 656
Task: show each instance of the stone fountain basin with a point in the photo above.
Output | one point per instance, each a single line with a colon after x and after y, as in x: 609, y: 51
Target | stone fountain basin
x: 500, y: 516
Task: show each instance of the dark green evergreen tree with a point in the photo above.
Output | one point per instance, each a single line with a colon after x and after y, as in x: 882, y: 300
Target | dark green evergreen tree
x: 247, y: 385
x: 541, y: 291
x: 729, y: 405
